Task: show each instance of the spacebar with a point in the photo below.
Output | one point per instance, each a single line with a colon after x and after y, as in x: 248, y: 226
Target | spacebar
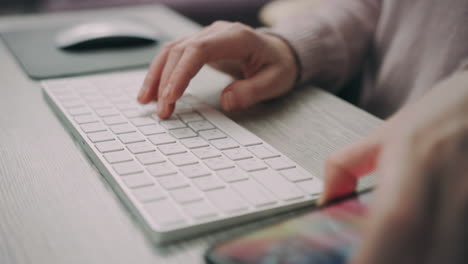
x: 240, y: 134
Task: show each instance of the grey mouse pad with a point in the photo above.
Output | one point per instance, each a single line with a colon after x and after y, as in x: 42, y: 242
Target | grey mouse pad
x: 36, y: 52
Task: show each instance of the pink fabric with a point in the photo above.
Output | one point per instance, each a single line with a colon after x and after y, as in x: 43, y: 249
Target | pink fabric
x: 401, y: 47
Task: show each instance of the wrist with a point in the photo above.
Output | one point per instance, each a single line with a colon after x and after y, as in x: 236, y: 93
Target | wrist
x: 286, y: 52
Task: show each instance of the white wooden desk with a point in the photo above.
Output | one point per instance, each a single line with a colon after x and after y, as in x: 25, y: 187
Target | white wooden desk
x: 56, y: 208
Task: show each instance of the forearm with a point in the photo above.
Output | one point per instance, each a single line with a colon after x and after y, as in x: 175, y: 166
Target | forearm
x: 330, y: 42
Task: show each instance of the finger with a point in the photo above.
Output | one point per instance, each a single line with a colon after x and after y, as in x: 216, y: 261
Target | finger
x: 244, y: 93
x: 188, y: 66
x: 345, y: 167
x: 172, y: 60
x: 149, y: 90
x: 151, y: 82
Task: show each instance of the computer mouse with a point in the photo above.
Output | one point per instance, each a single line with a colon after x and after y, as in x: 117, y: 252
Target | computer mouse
x: 106, y: 34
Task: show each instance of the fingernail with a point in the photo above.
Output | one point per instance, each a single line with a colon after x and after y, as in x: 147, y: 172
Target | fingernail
x: 159, y: 107
x: 166, y: 91
x: 321, y: 201
x: 142, y: 92
x: 228, y: 101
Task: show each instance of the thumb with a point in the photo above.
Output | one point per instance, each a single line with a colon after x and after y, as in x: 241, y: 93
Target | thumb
x: 345, y: 167
x: 244, y: 93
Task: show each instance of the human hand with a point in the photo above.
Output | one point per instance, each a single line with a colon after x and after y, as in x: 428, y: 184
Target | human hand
x: 421, y: 158
x: 263, y: 65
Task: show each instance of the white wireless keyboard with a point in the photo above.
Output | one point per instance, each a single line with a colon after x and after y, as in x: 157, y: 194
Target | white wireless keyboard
x: 192, y: 173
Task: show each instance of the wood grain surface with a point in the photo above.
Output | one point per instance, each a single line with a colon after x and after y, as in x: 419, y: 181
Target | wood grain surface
x: 56, y: 208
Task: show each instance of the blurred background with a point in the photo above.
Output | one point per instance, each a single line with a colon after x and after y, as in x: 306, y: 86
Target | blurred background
x: 201, y: 11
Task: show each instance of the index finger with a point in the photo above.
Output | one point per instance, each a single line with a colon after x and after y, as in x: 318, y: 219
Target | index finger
x: 149, y: 89
x: 344, y: 168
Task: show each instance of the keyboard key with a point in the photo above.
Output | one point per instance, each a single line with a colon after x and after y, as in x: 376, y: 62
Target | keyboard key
x: 83, y: 86
x: 224, y: 143
x: 150, y: 158
x: 155, y: 117
x: 84, y: 119
x: 127, y: 105
x: 122, y: 129
x: 314, y: 186
x: 200, y: 125
x: 232, y: 174
x: 67, y: 97
x: 131, y: 138
x: 296, y: 174
x: 135, y: 112
x: 94, y: 97
x: 57, y: 86
x: 279, y: 186
x: 116, y: 97
x: 161, y: 169
x: 118, y: 156
x: 109, y: 146
x: 73, y: 103
x: 251, y: 164
x: 64, y: 98
x: 206, y: 153
x: 226, y: 200
x: 171, y: 149
x: 140, y: 147
x: 183, y: 133
x: 186, y: 195
x: 98, y: 104
x: 183, y: 159
x: 195, y: 170
x: 182, y: 108
x: 149, y: 108
x: 172, y: 182
x: 219, y: 163
x: 142, y: 121
x: 79, y: 111
x: 128, y: 167
x: 152, y: 129
x: 212, y: 134
x: 114, y: 120
x: 93, y: 127
x: 164, y: 213
x: 280, y: 163
x: 238, y: 154
x: 263, y: 152
x: 239, y: 134
x: 253, y: 192
x: 207, y: 183
x: 200, y: 209
x: 194, y: 142
x: 138, y: 180
x: 104, y: 112
x: 100, y: 136
x: 172, y: 124
x: 161, y: 139
x: 190, y: 117
x: 149, y: 193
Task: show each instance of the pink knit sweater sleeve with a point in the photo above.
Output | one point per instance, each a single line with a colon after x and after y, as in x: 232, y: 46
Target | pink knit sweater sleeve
x: 331, y: 41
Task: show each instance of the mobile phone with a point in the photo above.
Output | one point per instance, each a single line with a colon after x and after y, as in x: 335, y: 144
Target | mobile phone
x: 327, y: 235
